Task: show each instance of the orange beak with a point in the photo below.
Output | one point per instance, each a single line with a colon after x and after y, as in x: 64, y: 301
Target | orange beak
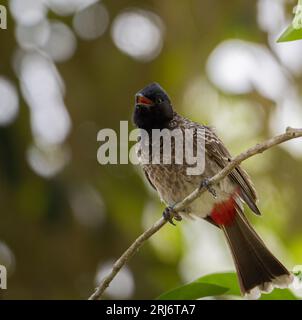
x: 143, y: 101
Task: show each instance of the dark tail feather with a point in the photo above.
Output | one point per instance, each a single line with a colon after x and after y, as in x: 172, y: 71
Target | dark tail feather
x: 258, y: 270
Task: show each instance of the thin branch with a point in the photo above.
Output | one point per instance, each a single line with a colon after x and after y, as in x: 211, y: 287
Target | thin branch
x: 130, y: 252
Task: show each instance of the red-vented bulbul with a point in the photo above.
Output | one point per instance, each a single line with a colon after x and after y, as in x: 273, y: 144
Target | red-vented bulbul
x: 257, y: 269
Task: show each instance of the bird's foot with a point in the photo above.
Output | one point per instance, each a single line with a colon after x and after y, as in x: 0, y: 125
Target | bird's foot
x: 169, y: 214
x: 205, y: 183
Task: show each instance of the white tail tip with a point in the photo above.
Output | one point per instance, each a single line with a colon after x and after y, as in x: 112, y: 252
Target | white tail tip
x: 281, y: 282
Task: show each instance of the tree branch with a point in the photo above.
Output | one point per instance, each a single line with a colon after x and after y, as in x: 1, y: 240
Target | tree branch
x: 130, y: 252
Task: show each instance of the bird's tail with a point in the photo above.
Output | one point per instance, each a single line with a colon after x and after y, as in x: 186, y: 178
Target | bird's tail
x: 257, y: 268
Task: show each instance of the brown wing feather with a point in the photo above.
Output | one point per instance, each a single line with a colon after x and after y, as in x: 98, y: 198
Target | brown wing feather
x: 220, y: 154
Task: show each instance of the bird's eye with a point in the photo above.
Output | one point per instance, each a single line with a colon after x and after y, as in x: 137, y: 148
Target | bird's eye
x: 159, y: 100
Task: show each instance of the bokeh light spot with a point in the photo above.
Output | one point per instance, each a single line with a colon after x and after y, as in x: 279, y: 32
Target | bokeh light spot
x: 32, y: 37
x: 91, y: 22
x: 139, y: 34
x: 61, y: 44
x: 87, y: 206
x: 7, y: 257
x: 122, y: 286
x: 239, y: 67
x: 47, y: 161
x: 68, y: 7
x: 28, y: 12
x: 42, y: 88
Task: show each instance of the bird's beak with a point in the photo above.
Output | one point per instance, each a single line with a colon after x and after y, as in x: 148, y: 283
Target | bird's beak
x: 141, y: 100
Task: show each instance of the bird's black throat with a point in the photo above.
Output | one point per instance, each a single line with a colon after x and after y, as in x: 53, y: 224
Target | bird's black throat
x: 154, y: 117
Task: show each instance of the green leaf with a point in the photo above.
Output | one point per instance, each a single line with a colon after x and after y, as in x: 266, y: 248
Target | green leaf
x: 218, y: 284
x: 290, y: 34
x: 193, y: 291
x: 207, y: 286
x: 226, y: 279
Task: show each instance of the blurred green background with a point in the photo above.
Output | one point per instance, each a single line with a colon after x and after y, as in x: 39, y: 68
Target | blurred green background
x: 69, y: 68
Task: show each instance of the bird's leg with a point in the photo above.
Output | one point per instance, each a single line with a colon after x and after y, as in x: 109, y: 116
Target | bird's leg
x: 169, y: 214
x: 205, y: 183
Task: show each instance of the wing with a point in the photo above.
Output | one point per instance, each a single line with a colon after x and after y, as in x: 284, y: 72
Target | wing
x: 219, y: 153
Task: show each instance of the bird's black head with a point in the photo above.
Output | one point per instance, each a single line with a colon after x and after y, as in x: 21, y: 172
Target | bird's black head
x: 153, y: 108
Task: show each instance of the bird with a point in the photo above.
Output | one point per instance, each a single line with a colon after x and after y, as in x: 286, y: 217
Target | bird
x: 258, y: 270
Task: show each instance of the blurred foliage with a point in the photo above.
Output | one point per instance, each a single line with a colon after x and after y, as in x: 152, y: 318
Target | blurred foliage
x: 219, y: 284
x: 63, y: 216
x: 294, y: 31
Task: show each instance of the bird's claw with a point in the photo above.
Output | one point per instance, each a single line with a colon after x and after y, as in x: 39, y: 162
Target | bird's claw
x: 205, y: 183
x: 169, y: 214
